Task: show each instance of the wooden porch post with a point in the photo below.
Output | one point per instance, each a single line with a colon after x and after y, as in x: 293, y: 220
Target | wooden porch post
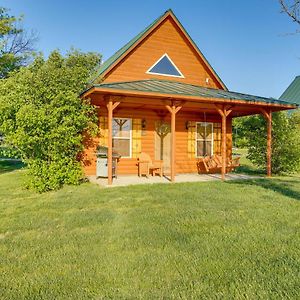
x: 173, y: 111
x: 268, y: 116
x: 224, y: 146
x: 110, y: 105
x: 224, y: 112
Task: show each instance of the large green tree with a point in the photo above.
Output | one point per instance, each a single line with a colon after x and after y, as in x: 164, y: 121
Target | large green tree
x: 42, y: 115
x: 16, y: 45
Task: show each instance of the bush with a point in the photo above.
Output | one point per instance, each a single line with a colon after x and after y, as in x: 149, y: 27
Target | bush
x: 51, y: 175
x: 239, y: 138
x: 285, y: 141
x: 43, y: 117
x: 8, y: 152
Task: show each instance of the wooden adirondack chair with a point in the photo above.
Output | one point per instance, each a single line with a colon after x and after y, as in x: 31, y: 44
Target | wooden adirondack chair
x: 147, y: 166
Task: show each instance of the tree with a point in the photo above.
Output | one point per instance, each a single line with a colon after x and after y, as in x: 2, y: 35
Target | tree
x: 239, y: 137
x: 292, y: 9
x: 42, y: 115
x: 286, y: 127
x: 285, y: 141
x: 16, y: 45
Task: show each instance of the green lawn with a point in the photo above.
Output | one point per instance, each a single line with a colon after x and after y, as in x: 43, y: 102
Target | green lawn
x: 232, y: 240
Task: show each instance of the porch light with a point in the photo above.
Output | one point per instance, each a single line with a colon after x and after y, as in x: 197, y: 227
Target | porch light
x: 144, y: 124
x: 188, y: 124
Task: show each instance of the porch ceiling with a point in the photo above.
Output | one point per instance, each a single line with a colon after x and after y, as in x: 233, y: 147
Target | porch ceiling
x: 137, y: 93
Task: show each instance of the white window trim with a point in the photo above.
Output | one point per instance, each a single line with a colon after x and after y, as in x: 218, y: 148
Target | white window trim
x: 212, y: 138
x: 126, y: 138
x: 168, y: 75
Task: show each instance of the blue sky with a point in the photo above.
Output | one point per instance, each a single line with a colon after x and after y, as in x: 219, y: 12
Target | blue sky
x: 248, y: 43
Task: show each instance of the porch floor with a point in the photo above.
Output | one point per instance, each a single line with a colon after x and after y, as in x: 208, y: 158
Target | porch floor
x: 125, y: 180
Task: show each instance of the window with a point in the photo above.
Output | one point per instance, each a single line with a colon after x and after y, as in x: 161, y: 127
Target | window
x: 164, y: 66
x: 121, y: 132
x: 204, y: 139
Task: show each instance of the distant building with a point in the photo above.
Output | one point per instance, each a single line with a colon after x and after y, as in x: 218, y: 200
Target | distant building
x: 292, y: 93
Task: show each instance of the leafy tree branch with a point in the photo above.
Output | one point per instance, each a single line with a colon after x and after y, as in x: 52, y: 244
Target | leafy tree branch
x: 16, y: 44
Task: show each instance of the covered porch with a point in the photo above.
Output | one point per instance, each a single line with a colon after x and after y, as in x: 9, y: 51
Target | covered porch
x: 178, y: 103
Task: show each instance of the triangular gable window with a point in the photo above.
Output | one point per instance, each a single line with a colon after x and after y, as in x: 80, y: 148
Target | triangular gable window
x: 164, y: 66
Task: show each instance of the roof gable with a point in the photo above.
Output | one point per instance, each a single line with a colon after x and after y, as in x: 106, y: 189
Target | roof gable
x: 110, y: 62
x: 111, y: 68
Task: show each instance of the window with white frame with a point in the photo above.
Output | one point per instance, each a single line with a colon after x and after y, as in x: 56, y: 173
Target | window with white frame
x: 204, y: 139
x: 121, y: 132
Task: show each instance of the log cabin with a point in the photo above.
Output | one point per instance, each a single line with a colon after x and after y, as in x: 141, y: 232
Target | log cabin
x: 159, y: 95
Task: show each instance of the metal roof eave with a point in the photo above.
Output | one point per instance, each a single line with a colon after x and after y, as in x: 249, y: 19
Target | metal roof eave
x: 122, y: 92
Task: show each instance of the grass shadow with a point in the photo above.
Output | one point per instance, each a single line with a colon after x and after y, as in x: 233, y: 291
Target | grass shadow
x: 9, y: 165
x: 281, y: 186
x: 248, y: 169
x: 246, y: 166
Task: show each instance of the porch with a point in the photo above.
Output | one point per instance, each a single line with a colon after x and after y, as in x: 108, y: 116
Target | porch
x: 182, y: 106
x: 126, y: 180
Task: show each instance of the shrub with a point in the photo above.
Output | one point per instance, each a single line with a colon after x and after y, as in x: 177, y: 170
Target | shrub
x: 43, y: 117
x: 285, y: 141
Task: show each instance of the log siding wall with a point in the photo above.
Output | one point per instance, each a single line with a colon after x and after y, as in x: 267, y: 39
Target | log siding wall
x: 184, y: 163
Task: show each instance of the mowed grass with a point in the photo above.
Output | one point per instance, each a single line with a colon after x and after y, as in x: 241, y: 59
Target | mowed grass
x: 215, y: 240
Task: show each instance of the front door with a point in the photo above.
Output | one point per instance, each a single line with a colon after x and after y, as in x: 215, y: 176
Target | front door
x: 163, y: 144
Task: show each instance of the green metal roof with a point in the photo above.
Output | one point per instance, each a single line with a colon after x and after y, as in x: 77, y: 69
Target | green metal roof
x: 121, y: 51
x: 292, y: 93
x: 179, y: 88
x: 126, y: 47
